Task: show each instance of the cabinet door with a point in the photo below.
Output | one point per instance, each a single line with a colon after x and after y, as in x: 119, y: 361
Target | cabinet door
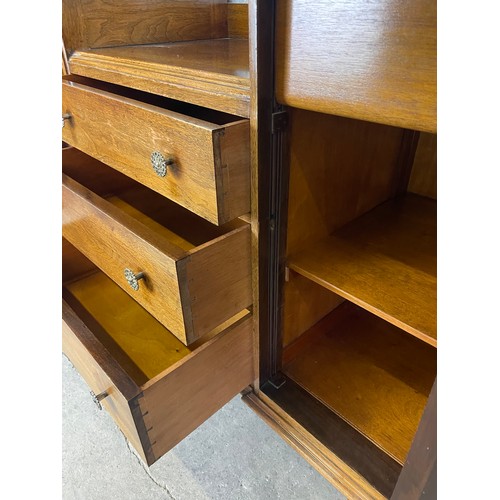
x: 419, y: 474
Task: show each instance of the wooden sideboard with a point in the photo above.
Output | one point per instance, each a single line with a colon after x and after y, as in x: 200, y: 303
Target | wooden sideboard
x: 249, y: 206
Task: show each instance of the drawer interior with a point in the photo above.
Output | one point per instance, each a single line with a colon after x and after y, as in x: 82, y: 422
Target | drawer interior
x: 176, y: 224
x: 143, y: 347
x: 185, y: 109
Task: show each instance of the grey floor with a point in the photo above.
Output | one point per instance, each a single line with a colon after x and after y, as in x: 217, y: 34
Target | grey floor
x: 233, y: 455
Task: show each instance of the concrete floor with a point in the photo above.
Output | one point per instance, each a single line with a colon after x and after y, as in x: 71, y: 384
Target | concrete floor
x: 234, y: 455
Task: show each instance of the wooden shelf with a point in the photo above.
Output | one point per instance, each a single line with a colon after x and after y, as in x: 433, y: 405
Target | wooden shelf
x: 385, y: 262
x: 210, y: 73
x: 368, y: 373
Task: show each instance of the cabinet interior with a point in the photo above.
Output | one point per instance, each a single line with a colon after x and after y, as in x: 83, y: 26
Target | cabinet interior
x: 359, y: 297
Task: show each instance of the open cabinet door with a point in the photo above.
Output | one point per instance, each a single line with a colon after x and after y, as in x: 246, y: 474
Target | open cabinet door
x: 418, y: 478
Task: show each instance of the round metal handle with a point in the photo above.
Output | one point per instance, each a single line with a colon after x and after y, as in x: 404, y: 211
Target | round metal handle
x: 133, y: 279
x: 97, y: 398
x: 65, y: 117
x: 160, y: 163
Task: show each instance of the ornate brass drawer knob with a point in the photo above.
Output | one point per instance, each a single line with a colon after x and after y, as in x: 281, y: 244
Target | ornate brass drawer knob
x: 160, y: 163
x: 133, y: 279
x: 97, y: 398
x: 65, y: 117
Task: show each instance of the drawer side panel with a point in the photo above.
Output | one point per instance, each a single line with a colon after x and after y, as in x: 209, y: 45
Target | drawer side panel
x: 180, y: 401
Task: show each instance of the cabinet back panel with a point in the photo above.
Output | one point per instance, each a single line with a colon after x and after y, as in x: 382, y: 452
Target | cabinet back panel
x: 305, y: 303
x: 237, y: 20
x: 339, y: 169
x: 100, y: 23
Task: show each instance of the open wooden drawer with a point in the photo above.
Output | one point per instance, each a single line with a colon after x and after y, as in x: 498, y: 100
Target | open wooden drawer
x: 155, y: 388
x: 194, y: 275
x: 197, y: 157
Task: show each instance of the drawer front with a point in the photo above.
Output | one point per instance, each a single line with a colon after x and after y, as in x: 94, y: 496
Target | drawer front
x: 210, y: 173
x: 190, y: 293
x: 103, y: 374
x: 158, y: 415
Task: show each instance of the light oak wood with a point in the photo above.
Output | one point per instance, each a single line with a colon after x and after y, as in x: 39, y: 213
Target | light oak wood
x: 210, y: 73
x: 296, y: 346
x: 74, y: 263
x: 196, y: 387
x: 93, y: 173
x: 64, y: 62
x: 371, y: 374
x: 145, y: 348
x: 419, y: 475
x: 99, y: 368
x: 237, y: 20
x: 423, y: 179
x: 305, y: 302
x: 174, y: 289
x: 374, y: 61
x: 95, y: 23
x: 117, y: 346
x: 385, y: 262
x: 211, y: 173
x: 339, y: 169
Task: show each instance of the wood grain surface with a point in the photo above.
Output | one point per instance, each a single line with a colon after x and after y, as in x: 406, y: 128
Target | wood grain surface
x: 419, y: 475
x: 339, y: 169
x: 185, y: 395
x: 116, y: 344
x: 95, y: 23
x: 374, y: 61
x: 237, y: 20
x: 140, y: 344
x: 138, y: 129
x: 103, y: 373
x: 114, y: 239
x: 305, y: 302
x: 210, y: 73
x: 385, y: 262
x: 372, y: 375
x: 423, y: 179
x: 278, y: 412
